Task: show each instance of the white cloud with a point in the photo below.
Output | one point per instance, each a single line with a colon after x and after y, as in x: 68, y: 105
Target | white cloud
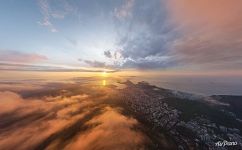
x: 50, y: 12
x: 125, y: 10
x: 46, y: 12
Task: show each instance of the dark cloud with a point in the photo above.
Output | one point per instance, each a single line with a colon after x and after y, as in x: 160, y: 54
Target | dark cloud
x: 108, y: 54
x: 102, y: 65
x: 94, y: 63
x: 148, y: 63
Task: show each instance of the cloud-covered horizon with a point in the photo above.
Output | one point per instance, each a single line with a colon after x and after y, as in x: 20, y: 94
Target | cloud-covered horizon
x: 52, y: 68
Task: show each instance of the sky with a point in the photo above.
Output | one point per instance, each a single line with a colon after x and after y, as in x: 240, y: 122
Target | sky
x: 93, y: 35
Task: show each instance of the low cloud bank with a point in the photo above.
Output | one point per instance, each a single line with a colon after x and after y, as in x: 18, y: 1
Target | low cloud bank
x: 64, y: 122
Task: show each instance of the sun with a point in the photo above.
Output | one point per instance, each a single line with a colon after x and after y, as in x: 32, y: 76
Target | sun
x: 104, y: 74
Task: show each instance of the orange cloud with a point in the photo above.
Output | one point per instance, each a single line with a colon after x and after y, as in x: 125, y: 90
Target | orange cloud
x: 9, y: 101
x: 73, y: 122
x: 17, y: 56
x: 27, y: 122
x: 114, y: 132
x: 216, y: 13
x: 211, y: 32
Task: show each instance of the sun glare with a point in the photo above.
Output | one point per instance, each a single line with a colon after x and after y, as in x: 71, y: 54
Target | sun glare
x: 104, y: 74
x: 104, y: 83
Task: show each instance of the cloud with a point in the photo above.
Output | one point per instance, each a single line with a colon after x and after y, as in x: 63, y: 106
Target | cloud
x: 125, y: 10
x: 112, y: 66
x: 94, y: 63
x: 66, y: 120
x: 52, y: 68
x: 107, y: 134
x: 151, y: 62
x: 107, y: 54
x: 46, y: 12
x: 9, y: 101
x: 190, y: 34
x: 72, y: 41
x: 17, y: 56
x: 211, y: 33
x: 147, y: 34
x: 27, y: 122
x: 52, y: 10
x: 117, y: 54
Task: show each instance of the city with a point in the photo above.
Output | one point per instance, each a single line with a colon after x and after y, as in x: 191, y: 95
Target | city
x: 199, y: 132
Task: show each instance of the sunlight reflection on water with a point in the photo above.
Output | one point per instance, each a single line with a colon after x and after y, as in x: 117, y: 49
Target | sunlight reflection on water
x: 104, y: 82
